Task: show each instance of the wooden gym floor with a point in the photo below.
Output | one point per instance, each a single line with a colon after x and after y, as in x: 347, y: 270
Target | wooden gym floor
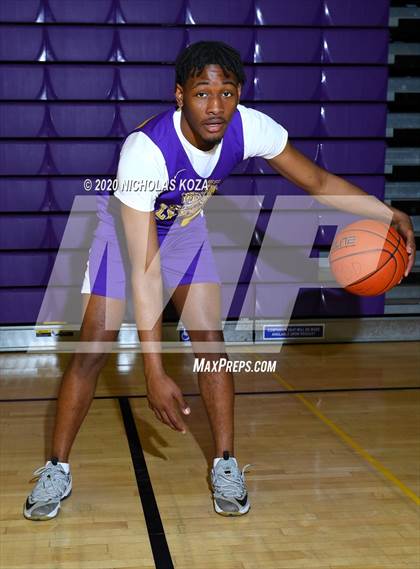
x: 333, y: 437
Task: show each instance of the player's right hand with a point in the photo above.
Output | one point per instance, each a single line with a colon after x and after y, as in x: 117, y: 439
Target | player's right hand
x: 166, y: 399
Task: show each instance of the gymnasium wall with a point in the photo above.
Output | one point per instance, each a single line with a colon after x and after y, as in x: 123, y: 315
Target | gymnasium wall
x: 76, y: 77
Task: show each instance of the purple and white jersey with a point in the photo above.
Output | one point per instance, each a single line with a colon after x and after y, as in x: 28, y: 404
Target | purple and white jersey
x: 160, y: 171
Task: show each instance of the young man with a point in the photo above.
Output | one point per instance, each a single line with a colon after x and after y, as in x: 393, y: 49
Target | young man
x: 204, y: 139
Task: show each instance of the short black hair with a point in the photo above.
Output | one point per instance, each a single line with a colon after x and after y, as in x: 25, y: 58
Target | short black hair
x: 192, y: 60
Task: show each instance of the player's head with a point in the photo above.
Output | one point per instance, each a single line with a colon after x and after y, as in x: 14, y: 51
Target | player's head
x: 209, y: 77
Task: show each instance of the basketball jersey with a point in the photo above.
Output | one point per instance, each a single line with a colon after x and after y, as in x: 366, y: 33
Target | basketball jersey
x: 186, y: 191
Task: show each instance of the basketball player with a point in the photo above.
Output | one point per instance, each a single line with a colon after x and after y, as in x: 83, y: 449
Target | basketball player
x: 205, y: 138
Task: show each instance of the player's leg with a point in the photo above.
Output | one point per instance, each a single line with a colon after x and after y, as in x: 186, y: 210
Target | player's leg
x: 101, y: 322
x: 200, y: 307
x: 80, y: 378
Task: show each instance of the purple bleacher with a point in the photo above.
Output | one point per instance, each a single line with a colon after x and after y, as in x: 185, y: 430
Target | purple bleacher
x: 21, y: 157
x: 19, y: 306
x: 78, y: 227
x: 276, y: 185
x: 21, y: 194
x: 132, y: 115
x: 288, y: 45
x: 240, y: 39
x: 352, y: 157
x: 94, y: 43
x: 21, y: 82
x: 20, y: 43
x: 201, y: 12
x: 82, y: 119
x: 12, y: 11
x: 316, y: 83
x: 353, y: 120
x: 84, y: 157
x: 69, y: 268
x: 237, y: 186
x: 150, y: 82
x: 274, y: 300
x: 356, y: 13
x: 283, y: 264
x: 27, y: 232
x: 64, y: 191
x: 354, y: 83
x: 80, y: 11
x: 82, y: 81
x: 287, y: 83
x: 25, y: 269
x: 373, y: 185
x: 151, y: 44
x: 21, y: 119
x: 152, y: 12
x: 299, y: 119
x: 288, y: 13
x: 355, y: 46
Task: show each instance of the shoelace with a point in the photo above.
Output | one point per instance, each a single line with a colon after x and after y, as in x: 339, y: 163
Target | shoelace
x: 51, y: 484
x: 231, y: 485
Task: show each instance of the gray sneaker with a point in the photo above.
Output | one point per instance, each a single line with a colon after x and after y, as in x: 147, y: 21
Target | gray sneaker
x: 53, y: 485
x: 230, y: 495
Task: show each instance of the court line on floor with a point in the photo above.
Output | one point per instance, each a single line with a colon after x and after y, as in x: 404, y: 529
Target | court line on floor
x: 377, y: 465
x: 157, y: 537
x: 238, y: 393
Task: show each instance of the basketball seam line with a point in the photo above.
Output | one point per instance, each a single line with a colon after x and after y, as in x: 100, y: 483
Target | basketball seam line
x: 380, y: 268
x: 392, y: 254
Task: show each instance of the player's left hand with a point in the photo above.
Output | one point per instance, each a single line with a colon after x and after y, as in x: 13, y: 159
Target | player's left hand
x: 403, y: 224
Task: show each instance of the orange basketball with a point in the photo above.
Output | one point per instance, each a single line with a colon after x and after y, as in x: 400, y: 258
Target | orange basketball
x: 368, y: 258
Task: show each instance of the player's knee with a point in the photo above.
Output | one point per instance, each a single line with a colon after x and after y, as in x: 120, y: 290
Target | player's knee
x: 89, y: 363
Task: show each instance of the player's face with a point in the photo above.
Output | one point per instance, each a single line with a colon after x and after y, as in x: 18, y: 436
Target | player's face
x: 208, y: 102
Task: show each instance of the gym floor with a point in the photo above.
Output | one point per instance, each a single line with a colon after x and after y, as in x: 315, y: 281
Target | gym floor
x: 332, y: 436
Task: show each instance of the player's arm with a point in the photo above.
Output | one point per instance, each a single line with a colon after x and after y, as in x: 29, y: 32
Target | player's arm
x: 164, y: 395
x: 338, y: 193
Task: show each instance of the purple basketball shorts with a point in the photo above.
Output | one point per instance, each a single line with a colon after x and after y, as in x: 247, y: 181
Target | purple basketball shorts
x: 186, y: 257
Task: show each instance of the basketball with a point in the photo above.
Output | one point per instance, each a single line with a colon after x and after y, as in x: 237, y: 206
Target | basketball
x: 368, y: 257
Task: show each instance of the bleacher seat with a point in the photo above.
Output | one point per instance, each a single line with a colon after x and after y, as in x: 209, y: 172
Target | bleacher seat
x: 240, y: 39
x: 288, y: 45
x: 83, y: 119
x: 12, y: 11
x: 97, y: 82
x: 355, y: 46
x: 89, y: 158
x: 21, y: 194
x: 95, y: 12
x: 290, y: 13
x: 21, y: 82
x: 355, y: 13
x: 152, y: 12
x: 151, y: 44
x: 25, y: 268
x: 20, y: 43
x: 201, y: 12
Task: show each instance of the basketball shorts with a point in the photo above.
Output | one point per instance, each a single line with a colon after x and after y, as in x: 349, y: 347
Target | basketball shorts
x: 186, y: 257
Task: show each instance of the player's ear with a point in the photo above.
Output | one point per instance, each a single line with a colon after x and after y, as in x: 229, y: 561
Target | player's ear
x: 239, y: 91
x: 179, y: 95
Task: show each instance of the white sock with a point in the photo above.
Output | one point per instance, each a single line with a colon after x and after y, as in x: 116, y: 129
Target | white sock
x: 65, y: 465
